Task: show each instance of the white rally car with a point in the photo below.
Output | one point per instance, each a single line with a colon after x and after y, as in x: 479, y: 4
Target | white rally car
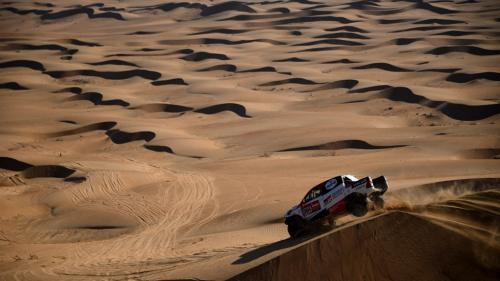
x: 334, y: 197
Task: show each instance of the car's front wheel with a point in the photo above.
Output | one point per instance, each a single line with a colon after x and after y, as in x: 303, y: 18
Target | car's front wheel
x: 296, y: 227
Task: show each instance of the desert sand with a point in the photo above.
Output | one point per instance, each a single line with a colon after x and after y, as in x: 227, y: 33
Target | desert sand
x: 165, y: 140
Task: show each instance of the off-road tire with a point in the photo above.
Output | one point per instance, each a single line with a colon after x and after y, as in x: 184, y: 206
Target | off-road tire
x: 357, y: 205
x: 359, y: 210
x: 296, y: 227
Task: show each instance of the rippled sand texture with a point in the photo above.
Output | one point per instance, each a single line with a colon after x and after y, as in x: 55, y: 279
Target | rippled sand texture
x: 156, y: 140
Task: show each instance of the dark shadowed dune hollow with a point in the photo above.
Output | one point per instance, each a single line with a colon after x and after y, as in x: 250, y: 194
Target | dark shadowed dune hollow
x: 101, y: 126
x: 83, y: 10
x: 301, y: 81
x: 173, y: 81
x: 111, y: 75
x: 383, y: 66
x: 200, y: 56
x: 68, y: 121
x: 453, y: 110
x: 97, y: 99
x: 226, y: 6
x: 75, y: 179
x: 282, y: 10
x: 313, y: 19
x: 378, y: 245
x: 344, y: 61
x: 167, y: 7
x: 439, y: 21
x: 260, y: 69
x: 74, y: 90
x: 349, y: 35
x: 111, y: 9
x: 148, y: 50
x: 442, y: 70
x: 47, y: 171
x: 406, y: 41
x: 222, y: 67
x: 473, y: 50
x: 341, y: 84
x: 293, y: 59
x: 221, y: 31
x: 343, y: 144
x: 140, y: 32
x: 421, y: 4
x: 12, y: 86
x: 50, y: 47
x: 456, y: 33
x: 217, y: 41
x: 370, y: 89
x: 83, y: 43
x: 114, y: 62
x: 159, y: 148
x: 163, y: 107
x: 12, y: 164
x: 347, y: 28
x: 331, y: 42
x: 393, y: 21
x: 121, y: 137
x: 238, y: 109
x: 23, y: 63
x: 467, y: 77
x: 24, y: 12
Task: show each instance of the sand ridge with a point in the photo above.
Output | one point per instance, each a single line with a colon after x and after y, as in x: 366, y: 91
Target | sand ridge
x: 165, y: 140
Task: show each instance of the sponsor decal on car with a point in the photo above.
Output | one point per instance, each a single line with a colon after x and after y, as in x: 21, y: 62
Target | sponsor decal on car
x: 338, y: 208
x: 330, y: 184
x: 311, y: 207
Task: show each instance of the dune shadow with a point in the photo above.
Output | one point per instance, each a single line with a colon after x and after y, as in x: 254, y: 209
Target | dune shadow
x: 221, y: 67
x: 110, y: 75
x: 12, y: 86
x: 173, y: 81
x: 276, y: 246
x: 81, y: 10
x: 23, y: 63
x: 301, y: 81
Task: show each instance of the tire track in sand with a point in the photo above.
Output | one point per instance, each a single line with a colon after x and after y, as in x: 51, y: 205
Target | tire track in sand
x: 152, y: 247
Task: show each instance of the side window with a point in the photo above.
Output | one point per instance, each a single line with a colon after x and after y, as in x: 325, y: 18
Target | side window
x: 313, y: 194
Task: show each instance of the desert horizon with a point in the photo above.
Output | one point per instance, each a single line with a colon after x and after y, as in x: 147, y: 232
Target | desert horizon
x: 168, y: 140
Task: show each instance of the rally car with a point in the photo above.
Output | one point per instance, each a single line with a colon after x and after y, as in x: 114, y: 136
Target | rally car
x: 334, y: 197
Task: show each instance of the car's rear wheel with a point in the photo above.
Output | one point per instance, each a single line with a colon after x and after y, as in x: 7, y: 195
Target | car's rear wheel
x: 357, y: 205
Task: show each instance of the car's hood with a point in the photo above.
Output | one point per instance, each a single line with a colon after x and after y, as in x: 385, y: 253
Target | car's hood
x: 293, y: 211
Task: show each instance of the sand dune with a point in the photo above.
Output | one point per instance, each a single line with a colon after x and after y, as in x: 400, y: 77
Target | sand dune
x: 166, y: 140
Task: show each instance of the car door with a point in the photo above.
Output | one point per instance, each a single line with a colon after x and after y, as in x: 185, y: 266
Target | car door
x: 312, y: 203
